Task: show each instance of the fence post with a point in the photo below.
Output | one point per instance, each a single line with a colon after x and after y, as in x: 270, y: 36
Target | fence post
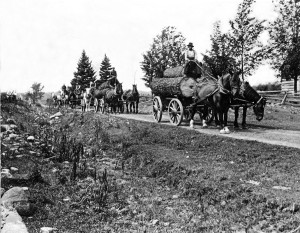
x: 284, y: 98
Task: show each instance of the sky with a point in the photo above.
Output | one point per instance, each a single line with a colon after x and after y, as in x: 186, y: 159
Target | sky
x: 42, y: 40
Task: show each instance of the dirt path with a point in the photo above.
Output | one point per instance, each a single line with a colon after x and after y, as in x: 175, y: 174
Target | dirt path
x: 289, y: 138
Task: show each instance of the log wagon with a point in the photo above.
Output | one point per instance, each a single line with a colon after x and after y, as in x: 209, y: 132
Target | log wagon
x: 175, y: 95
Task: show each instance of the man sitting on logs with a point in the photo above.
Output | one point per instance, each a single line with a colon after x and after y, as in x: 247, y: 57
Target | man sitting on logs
x: 191, y: 67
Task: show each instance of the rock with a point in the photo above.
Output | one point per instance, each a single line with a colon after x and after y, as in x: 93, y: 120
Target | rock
x: 175, y: 196
x: 2, y: 191
x: 155, y: 222
x: 281, y: 188
x: 48, y: 230
x: 58, y: 114
x: 12, y: 136
x: 30, y: 139
x: 11, y: 221
x: 6, y: 173
x: 14, y: 169
x: 13, y: 127
x: 11, y: 121
x: 5, y: 128
x: 17, y: 197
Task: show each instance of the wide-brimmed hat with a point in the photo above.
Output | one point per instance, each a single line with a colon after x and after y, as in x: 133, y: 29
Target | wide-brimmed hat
x: 190, y: 45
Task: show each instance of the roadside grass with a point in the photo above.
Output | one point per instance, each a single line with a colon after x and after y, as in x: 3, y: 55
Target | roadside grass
x: 106, y: 174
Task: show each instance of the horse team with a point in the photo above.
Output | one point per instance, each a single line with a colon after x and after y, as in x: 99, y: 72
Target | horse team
x: 105, y: 98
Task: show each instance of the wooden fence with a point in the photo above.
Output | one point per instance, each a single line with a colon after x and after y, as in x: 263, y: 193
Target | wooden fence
x: 282, y: 97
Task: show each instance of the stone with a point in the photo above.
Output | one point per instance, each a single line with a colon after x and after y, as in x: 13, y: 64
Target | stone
x: 12, y: 136
x: 6, y: 173
x: 11, y: 221
x: 30, y: 139
x: 58, y: 114
x: 5, y: 128
x: 48, y: 230
x: 175, y: 196
x: 2, y: 191
x: 155, y: 222
x: 12, y: 126
x: 17, y: 197
x: 14, y: 169
x: 11, y: 121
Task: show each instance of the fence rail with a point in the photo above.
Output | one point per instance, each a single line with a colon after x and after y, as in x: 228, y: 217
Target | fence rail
x: 282, y: 97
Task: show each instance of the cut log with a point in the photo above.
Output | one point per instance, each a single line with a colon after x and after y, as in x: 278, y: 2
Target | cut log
x: 174, y: 72
x: 170, y: 87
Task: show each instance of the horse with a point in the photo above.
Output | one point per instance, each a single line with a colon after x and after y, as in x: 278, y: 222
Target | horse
x: 87, y: 97
x: 217, y: 94
x: 113, y: 96
x: 132, y: 97
x: 108, y: 96
x: 248, y: 97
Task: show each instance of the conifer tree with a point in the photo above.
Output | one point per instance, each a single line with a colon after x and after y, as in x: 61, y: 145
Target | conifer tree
x: 85, y: 72
x: 105, y: 69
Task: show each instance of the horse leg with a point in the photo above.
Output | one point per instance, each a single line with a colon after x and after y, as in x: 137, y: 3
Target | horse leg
x: 225, y: 122
x: 221, y: 119
x: 244, y: 126
x: 193, y: 112
x: 136, y: 107
x: 204, y: 116
x: 236, y: 116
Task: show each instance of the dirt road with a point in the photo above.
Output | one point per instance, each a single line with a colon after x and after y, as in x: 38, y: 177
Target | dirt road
x: 289, y: 138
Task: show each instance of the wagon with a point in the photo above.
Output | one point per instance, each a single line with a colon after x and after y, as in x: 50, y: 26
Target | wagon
x: 175, y: 96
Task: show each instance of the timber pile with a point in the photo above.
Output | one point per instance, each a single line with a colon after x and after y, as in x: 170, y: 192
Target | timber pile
x: 174, y: 72
x: 181, y: 86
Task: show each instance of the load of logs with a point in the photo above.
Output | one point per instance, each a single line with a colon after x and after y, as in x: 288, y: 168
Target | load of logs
x: 173, y: 84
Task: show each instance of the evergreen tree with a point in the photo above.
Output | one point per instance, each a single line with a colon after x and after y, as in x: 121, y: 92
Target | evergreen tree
x: 284, y: 42
x: 85, y: 72
x: 165, y: 52
x: 219, y: 58
x: 244, y: 34
x: 105, y: 69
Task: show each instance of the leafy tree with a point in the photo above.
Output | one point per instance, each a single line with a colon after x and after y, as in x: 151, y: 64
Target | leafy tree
x: 85, y: 72
x: 246, y: 48
x: 284, y: 43
x: 219, y: 58
x: 165, y: 52
x: 35, y: 93
x: 105, y: 69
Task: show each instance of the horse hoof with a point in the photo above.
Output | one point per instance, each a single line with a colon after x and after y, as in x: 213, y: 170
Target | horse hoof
x: 204, y: 126
x: 227, y: 131
x: 244, y: 127
x: 222, y: 131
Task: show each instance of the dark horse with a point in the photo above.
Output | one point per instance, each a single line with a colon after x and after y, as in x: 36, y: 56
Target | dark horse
x: 132, y: 97
x: 109, y: 97
x: 217, y: 95
x: 248, y: 97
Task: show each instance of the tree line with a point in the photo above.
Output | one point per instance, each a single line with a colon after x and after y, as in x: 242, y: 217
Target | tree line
x: 238, y: 49
x: 85, y: 73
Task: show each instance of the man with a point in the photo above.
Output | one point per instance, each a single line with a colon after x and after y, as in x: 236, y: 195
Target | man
x: 113, y: 77
x: 190, y: 54
x: 191, y: 62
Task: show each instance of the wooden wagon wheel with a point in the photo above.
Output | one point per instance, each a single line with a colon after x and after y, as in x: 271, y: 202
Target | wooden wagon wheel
x: 157, y: 108
x: 175, y: 110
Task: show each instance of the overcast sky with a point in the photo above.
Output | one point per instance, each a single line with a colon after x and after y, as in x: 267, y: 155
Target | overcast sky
x: 42, y: 40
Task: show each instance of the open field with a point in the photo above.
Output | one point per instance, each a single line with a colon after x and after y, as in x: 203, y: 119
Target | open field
x: 136, y: 176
